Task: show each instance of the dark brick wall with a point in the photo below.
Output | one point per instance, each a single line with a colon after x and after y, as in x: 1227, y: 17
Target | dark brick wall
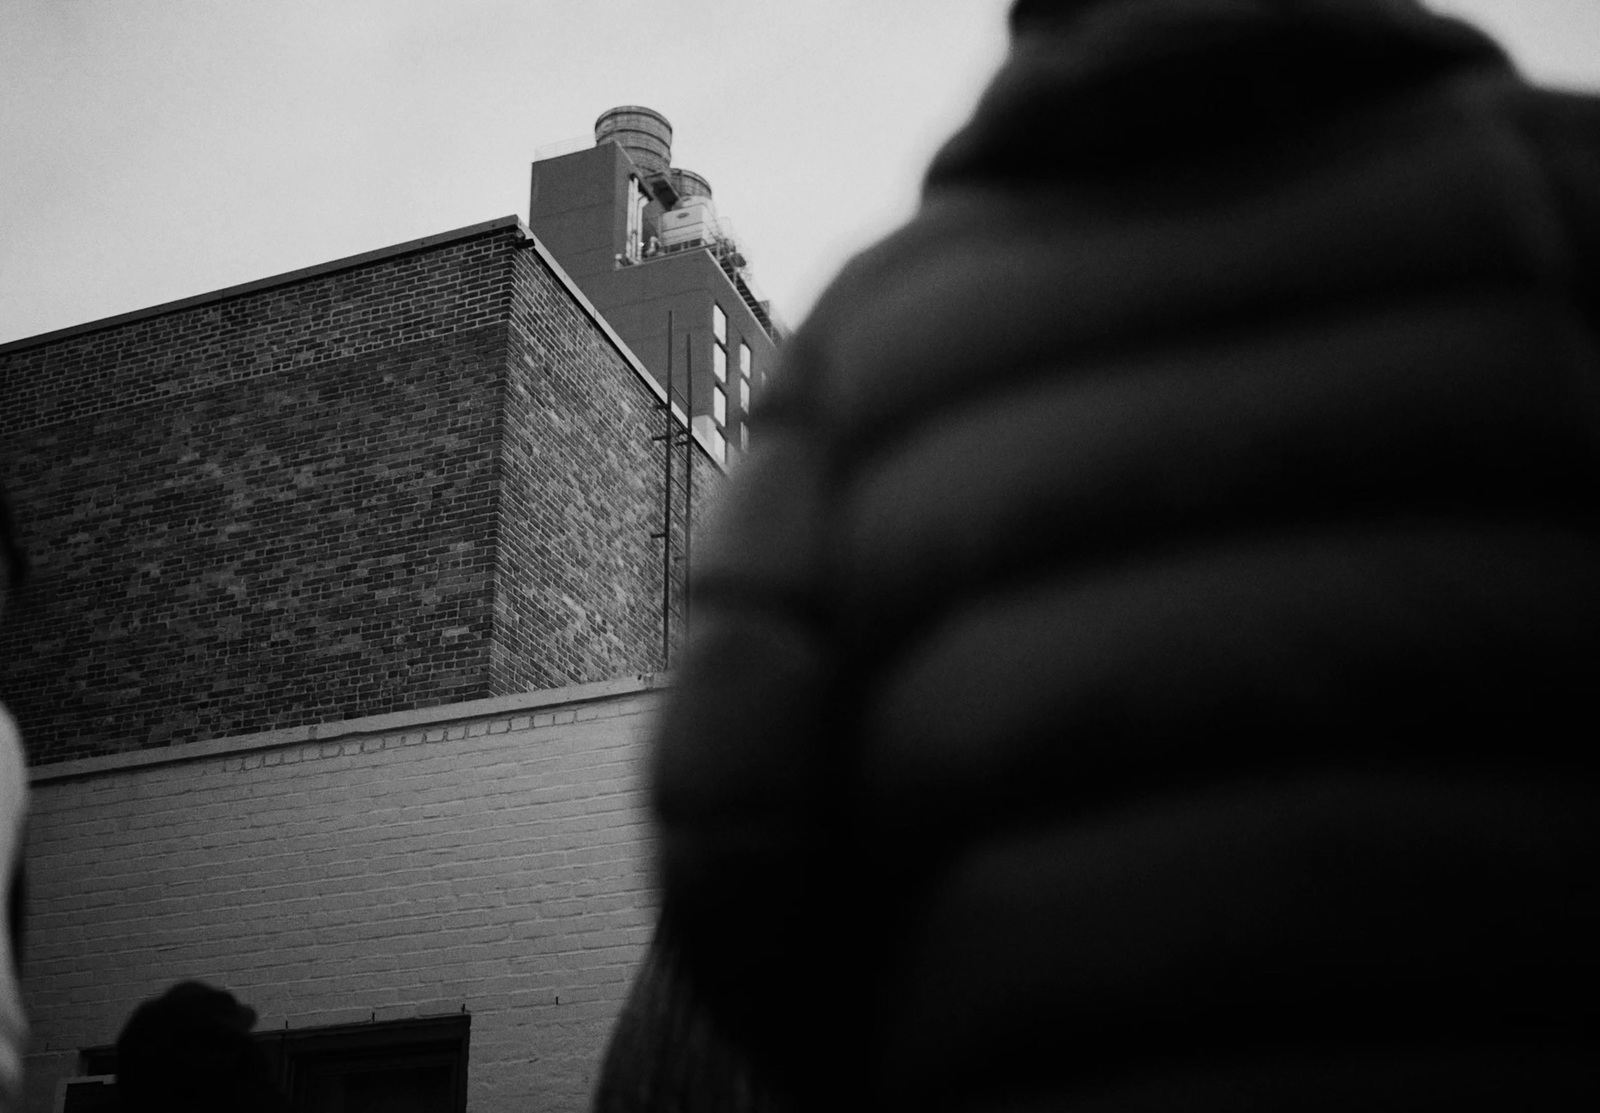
x: 261, y: 512
x: 580, y: 577
x: 308, y: 545
x: 160, y: 359
x: 422, y: 479
x: 581, y: 570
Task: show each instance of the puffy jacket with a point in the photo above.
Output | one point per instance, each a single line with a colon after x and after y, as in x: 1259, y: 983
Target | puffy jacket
x: 1149, y: 657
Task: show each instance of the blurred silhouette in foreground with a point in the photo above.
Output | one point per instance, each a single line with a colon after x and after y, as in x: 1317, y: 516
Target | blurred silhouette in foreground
x: 1149, y: 657
x: 190, y: 1050
x: 13, y: 817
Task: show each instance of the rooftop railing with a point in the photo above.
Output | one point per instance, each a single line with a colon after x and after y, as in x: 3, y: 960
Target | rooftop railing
x: 563, y: 147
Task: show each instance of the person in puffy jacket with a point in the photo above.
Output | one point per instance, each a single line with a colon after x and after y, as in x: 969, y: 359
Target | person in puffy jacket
x: 1148, y: 658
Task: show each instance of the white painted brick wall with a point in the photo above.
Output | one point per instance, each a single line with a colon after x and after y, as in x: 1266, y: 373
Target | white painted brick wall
x: 495, y: 861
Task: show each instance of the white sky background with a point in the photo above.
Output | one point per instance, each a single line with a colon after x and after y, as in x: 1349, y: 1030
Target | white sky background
x: 155, y: 149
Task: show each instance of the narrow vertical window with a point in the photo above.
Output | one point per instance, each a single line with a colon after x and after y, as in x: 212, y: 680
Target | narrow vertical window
x: 637, y: 200
x: 719, y: 362
x: 744, y: 359
x: 715, y: 442
x: 719, y: 323
x: 719, y: 405
x: 744, y: 394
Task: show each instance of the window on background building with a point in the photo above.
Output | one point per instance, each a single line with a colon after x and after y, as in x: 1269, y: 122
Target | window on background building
x: 719, y: 405
x: 719, y: 323
x: 712, y: 436
x: 636, y: 206
x: 744, y: 394
x: 744, y: 437
x: 744, y: 359
x: 719, y: 362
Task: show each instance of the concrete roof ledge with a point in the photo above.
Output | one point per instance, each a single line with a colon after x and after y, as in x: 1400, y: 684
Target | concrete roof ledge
x: 349, y: 262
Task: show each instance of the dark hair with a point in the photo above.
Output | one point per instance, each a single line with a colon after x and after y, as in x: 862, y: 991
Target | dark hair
x: 190, y: 1051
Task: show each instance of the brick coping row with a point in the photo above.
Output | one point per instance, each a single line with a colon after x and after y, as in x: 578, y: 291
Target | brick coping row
x: 389, y: 723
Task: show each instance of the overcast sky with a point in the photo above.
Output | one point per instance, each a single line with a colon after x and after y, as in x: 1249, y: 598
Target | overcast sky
x: 155, y: 149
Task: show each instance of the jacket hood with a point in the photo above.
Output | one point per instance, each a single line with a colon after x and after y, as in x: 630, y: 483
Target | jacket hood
x: 1106, y: 86
x: 1405, y: 18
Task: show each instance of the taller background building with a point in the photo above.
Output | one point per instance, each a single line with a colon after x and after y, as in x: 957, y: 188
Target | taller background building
x: 643, y: 240
x: 352, y: 589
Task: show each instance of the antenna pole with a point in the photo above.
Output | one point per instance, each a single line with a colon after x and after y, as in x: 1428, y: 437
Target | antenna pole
x: 666, y: 517
x: 688, y: 475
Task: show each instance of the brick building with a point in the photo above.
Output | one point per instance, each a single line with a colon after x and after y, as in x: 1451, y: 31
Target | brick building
x: 351, y: 588
x: 433, y: 909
